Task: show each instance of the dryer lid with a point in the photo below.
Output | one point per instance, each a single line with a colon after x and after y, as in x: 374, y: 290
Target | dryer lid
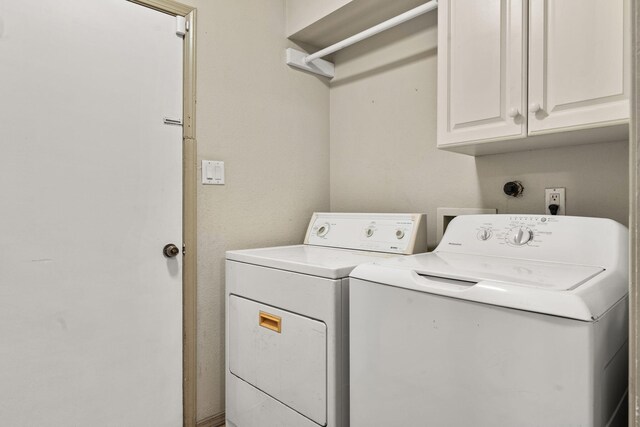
x: 330, y: 263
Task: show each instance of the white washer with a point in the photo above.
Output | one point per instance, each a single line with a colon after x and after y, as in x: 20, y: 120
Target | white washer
x: 287, y: 318
x: 514, y: 320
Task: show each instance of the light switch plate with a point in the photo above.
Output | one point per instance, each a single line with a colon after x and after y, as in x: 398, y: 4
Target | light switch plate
x: 212, y: 172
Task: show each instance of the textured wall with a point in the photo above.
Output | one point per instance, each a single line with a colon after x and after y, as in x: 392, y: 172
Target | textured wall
x: 383, y: 144
x: 270, y: 125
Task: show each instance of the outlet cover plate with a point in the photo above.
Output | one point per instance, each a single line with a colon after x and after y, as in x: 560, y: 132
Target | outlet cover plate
x: 555, y: 196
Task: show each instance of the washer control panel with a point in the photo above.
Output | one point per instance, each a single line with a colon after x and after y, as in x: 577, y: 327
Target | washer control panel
x: 542, y: 237
x: 514, y: 230
x: 392, y: 233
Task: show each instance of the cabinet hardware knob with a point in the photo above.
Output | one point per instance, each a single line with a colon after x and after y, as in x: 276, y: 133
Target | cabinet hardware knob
x: 534, y: 107
x: 514, y: 112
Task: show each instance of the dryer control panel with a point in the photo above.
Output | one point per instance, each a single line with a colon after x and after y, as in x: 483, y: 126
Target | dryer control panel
x: 578, y: 240
x: 391, y: 233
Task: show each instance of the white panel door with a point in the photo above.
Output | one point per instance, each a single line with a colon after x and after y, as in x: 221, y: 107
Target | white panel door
x: 578, y: 64
x: 481, y: 70
x: 90, y: 192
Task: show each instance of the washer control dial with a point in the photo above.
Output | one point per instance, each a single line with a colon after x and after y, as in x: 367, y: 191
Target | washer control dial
x: 368, y: 231
x: 399, y: 234
x: 519, y: 236
x: 323, y: 230
x: 484, y: 234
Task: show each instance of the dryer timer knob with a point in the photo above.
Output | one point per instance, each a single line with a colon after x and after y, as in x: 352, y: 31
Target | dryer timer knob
x: 323, y: 229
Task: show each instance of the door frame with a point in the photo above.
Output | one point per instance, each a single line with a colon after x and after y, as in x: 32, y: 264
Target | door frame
x: 634, y: 219
x: 189, y: 203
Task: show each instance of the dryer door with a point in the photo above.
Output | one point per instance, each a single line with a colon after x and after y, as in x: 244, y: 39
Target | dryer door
x: 281, y: 353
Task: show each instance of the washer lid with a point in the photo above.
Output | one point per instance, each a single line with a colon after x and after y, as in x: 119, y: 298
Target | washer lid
x: 566, y: 290
x: 517, y: 272
x: 331, y: 263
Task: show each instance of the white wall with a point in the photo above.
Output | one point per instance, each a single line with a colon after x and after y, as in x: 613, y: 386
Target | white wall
x: 383, y: 144
x: 302, y: 13
x: 270, y: 125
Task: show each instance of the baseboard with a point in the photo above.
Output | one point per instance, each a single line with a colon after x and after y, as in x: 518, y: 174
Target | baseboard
x: 212, y: 421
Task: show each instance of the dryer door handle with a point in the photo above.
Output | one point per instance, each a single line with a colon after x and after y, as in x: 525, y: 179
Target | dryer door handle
x: 270, y: 321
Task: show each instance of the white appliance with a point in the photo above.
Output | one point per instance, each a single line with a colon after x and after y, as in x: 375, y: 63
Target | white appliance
x: 287, y: 318
x: 514, y: 320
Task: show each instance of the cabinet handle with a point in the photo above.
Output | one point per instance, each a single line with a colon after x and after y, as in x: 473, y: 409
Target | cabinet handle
x: 534, y: 107
x: 270, y: 321
x: 514, y: 112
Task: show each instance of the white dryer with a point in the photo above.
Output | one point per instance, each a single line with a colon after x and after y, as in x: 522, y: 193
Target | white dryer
x: 514, y: 320
x: 287, y: 318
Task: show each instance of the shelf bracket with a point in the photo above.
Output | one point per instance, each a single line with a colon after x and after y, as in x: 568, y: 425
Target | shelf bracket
x: 295, y: 58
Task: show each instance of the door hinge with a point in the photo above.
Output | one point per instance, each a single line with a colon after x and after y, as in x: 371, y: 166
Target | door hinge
x: 187, y: 26
x: 184, y: 249
x: 181, y: 25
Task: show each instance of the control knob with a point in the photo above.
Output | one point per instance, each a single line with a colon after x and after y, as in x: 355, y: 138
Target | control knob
x: 519, y: 236
x: 323, y: 230
x: 484, y: 234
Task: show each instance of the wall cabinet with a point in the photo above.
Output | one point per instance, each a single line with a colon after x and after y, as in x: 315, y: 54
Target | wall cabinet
x: 517, y: 74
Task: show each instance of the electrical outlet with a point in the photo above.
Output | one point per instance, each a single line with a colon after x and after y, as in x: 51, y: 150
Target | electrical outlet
x: 555, y: 196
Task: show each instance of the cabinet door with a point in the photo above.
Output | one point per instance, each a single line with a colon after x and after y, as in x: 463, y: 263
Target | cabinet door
x: 481, y: 70
x: 578, y: 64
